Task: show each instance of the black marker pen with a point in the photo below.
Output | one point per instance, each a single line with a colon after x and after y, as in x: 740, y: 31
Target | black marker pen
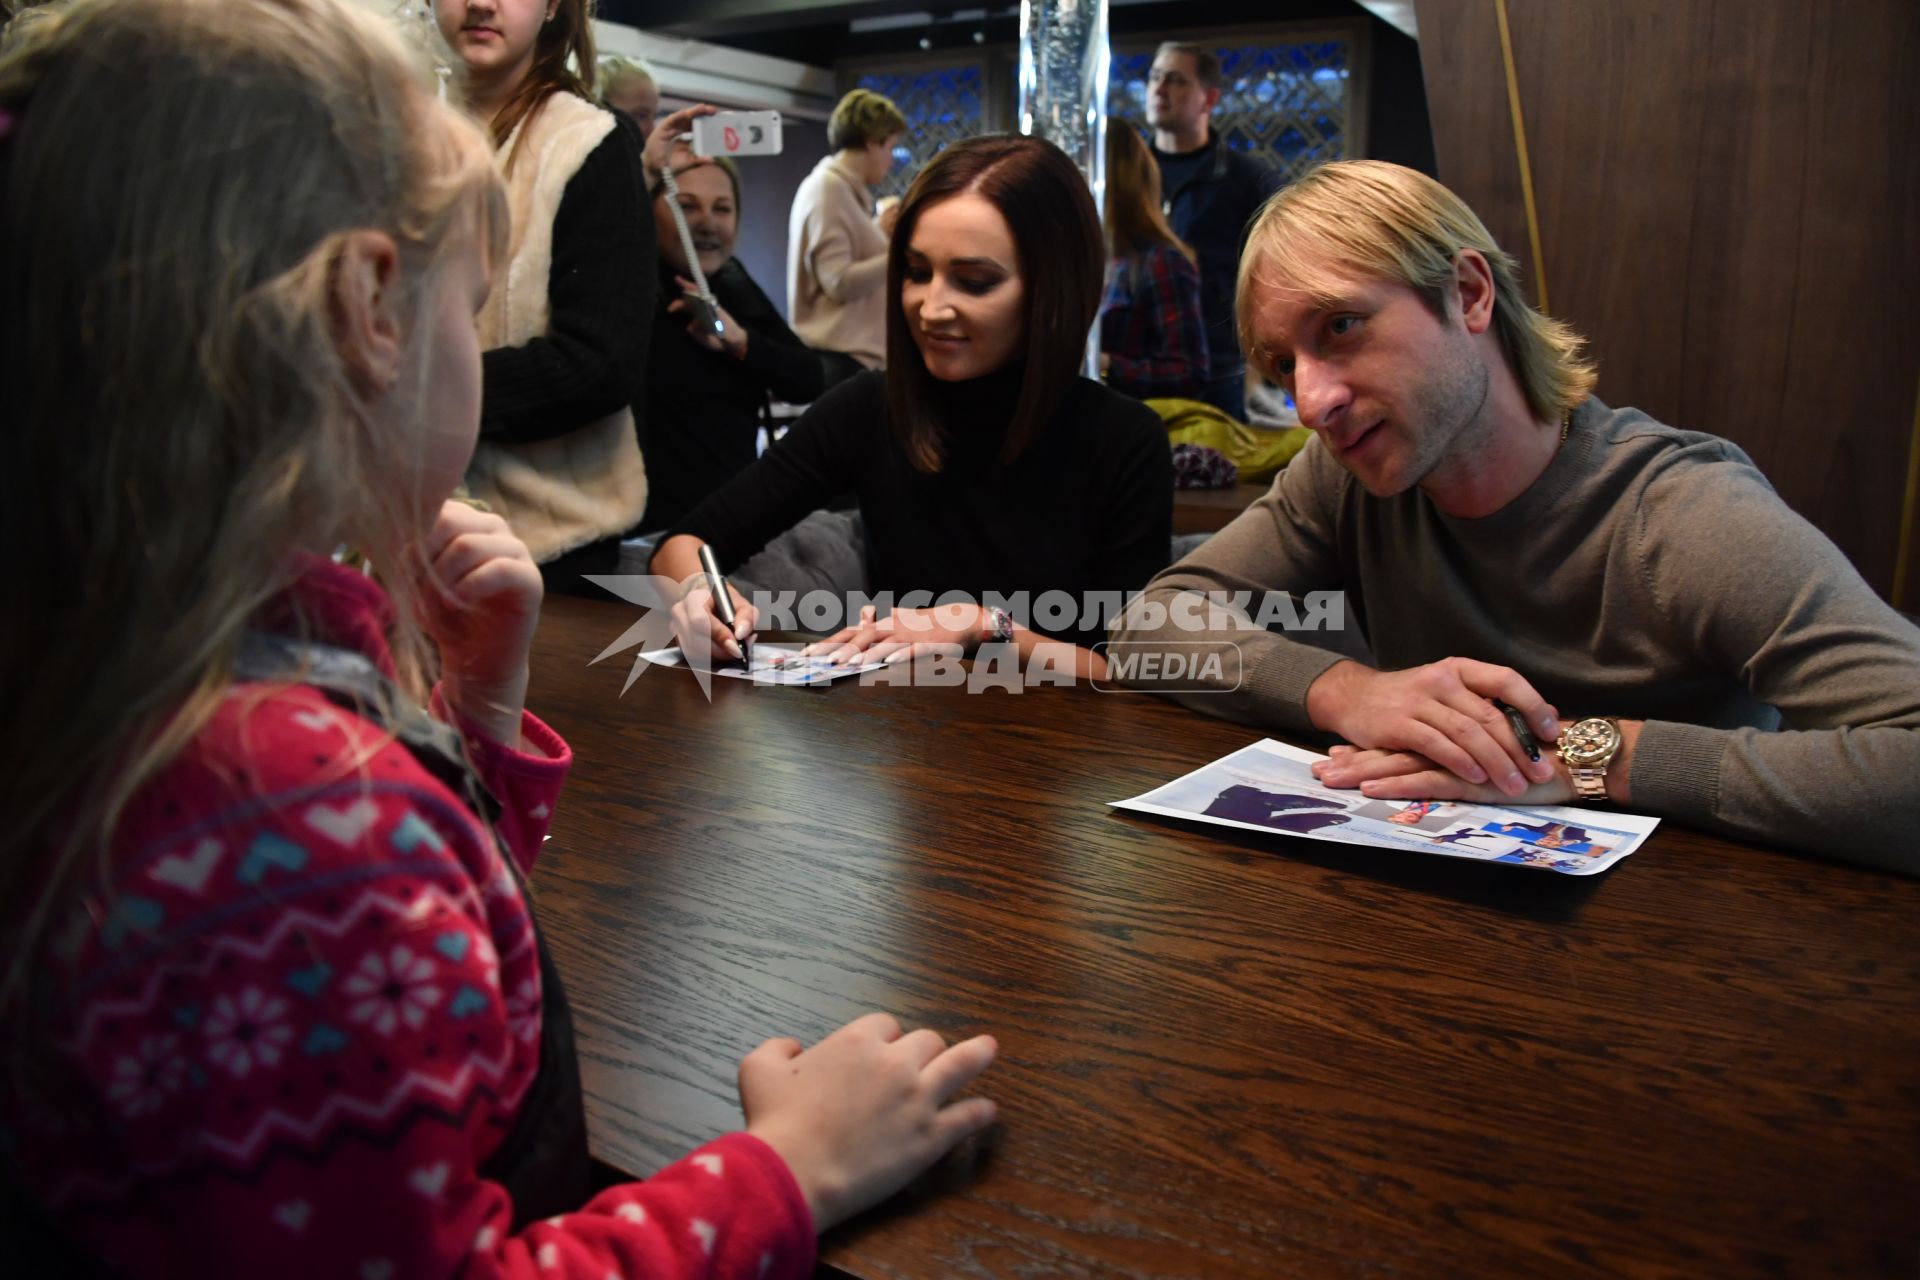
x: 1520, y: 729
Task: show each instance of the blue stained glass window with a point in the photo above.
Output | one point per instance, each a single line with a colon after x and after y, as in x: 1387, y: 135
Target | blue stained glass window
x: 1287, y: 102
x: 941, y: 104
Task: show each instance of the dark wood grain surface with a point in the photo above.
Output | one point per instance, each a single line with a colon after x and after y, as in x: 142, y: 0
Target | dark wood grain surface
x: 1223, y: 1054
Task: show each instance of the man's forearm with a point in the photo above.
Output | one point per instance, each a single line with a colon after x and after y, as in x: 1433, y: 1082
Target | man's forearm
x: 1262, y: 677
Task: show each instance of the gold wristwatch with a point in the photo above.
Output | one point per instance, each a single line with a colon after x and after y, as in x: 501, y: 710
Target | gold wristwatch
x: 1589, y: 746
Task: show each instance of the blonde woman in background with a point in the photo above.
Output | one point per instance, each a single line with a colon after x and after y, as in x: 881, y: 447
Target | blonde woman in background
x: 837, y: 247
x: 628, y: 86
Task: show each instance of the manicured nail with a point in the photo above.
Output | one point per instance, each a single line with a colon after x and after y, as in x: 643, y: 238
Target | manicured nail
x: 1549, y: 726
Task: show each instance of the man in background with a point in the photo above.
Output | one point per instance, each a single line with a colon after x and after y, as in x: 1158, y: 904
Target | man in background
x: 1210, y: 193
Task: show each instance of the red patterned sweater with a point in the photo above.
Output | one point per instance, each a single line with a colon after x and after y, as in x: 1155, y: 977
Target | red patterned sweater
x: 311, y: 1008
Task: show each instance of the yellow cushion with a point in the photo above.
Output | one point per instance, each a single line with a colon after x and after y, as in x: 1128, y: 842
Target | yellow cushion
x: 1257, y: 452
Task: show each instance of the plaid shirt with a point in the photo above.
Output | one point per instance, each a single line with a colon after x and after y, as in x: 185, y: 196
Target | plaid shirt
x: 1151, y: 328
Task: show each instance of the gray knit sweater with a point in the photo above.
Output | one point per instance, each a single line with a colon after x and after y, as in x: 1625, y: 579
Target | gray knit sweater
x: 1650, y: 574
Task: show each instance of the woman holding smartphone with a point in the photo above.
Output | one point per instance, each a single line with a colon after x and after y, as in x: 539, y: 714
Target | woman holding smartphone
x: 982, y: 461
x: 710, y: 374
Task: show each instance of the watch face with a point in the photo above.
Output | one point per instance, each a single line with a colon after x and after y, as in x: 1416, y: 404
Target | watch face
x: 1589, y: 742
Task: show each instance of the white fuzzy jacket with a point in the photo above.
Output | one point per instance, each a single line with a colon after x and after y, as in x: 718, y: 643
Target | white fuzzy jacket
x: 588, y: 484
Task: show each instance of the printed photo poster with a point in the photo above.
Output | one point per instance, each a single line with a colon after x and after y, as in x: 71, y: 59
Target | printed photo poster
x: 777, y: 664
x: 1268, y: 786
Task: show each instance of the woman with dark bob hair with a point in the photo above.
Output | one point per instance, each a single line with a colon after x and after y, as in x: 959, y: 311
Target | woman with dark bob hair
x: 989, y: 473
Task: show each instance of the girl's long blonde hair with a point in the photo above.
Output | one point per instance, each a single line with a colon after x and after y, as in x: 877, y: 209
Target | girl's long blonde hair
x: 177, y: 179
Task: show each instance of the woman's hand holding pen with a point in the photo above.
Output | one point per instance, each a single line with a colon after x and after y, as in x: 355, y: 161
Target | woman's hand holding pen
x: 1443, y: 714
x: 701, y: 633
x: 696, y: 618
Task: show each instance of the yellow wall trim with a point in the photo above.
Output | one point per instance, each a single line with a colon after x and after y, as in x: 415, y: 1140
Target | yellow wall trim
x: 1520, y: 145
x: 1903, y: 558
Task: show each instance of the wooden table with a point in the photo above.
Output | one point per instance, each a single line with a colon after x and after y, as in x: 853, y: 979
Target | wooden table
x: 1222, y: 1054
x: 1211, y: 510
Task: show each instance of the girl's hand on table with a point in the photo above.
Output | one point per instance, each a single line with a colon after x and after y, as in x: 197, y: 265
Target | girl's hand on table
x: 861, y: 1113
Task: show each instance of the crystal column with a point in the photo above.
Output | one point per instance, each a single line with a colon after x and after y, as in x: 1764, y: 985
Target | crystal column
x: 1063, y: 93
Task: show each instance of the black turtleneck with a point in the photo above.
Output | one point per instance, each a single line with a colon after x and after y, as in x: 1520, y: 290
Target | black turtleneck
x: 1088, y: 507
x: 701, y: 410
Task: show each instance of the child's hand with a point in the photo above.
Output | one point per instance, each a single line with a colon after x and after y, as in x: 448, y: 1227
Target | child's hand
x: 859, y: 1114
x: 482, y: 595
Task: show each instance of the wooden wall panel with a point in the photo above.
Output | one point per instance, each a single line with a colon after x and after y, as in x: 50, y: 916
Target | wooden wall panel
x: 1472, y: 127
x: 1906, y: 588
x: 1618, y: 243
x: 1727, y: 201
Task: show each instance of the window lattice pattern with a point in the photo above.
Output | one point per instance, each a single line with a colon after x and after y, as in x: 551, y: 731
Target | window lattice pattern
x: 941, y: 104
x: 1287, y: 102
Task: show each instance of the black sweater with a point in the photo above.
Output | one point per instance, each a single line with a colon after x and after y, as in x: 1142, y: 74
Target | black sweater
x: 1088, y: 507
x: 702, y: 408
x: 600, y: 289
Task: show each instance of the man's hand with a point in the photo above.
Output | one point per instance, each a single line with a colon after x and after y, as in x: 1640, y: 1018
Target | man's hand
x: 1407, y: 775
x: 1443, y: 713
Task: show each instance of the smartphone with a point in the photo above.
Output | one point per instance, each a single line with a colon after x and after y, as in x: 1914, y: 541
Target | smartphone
x: 697, y: 309
x: 737, y: 133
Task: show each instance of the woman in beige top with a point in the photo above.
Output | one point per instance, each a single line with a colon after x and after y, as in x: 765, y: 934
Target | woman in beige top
x: 836, y: 247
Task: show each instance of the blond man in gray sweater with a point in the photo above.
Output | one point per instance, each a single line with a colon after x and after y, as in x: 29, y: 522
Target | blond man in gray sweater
x: 1679, y: 640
